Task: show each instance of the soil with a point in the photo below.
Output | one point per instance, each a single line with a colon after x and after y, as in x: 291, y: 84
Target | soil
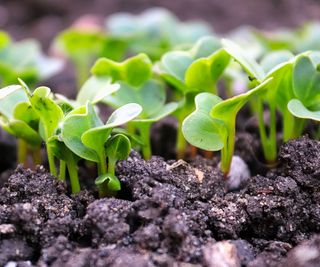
x: 169, y: 213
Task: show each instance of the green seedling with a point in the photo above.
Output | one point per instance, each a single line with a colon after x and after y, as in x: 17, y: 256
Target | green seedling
x: 306, y: 88
x: 133, y: 71
x: 86, y: 136
x: 190, y: 72
x: 136, y: 85
x: 154, y: 31
x: 279, y: 66
x: 50, y: 115
x: 83, y: 47
x: 18, y: 118
x: 212, y: 125
x: 24, y: 59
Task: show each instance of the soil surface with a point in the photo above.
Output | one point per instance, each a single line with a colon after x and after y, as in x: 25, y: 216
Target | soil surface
x: 168, y: 214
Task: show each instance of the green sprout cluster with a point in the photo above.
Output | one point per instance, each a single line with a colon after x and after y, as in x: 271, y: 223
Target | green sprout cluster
x: 145, y: 68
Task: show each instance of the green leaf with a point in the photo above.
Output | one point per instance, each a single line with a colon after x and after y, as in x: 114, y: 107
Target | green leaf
x: 151, y: 96
x: 273, y: 59
x: 95, y: 138
x: 299, y: 110
x: 22, y: 130
x: 134, y: 71
x: 10, y: 96
x: 205, y: 46
x: 113, y: 181
x: 174, y: 66
x: 161, y: 113
x: 200, y: 129
x: 306, y: 81
x: 228, y: 109
x: 118, y: 147
x: 49, y: 112
x: 204, y: 73
x: 60, y: 150
x: 24, y: 112
x: 253, y: 69
x: 75, y: 124
x: 95, y: 89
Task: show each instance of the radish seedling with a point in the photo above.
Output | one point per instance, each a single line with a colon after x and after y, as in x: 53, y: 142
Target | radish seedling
x: 190, y: 72
x: 50, y: 115
x: 212, y: 125
x: 84, y: 134
x: 148, y: 93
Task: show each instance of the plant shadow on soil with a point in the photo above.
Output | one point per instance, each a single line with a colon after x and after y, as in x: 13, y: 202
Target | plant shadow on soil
x: 167, y: 214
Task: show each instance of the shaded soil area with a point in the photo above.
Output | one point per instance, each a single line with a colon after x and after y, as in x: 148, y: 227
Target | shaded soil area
x: 168, y: 214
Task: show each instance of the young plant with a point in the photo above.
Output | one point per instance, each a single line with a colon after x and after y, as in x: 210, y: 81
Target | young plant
x: 212, y: 125
x: 278, y: 66
x: 155, y: 31
x: 50, y: 115
x: 86, y: 136
x: 136, y: 85
x: 190, y: 72
x: 19, y: 119
x: 24, y: 60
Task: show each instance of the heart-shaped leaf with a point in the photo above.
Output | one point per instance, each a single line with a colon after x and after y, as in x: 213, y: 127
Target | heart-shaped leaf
x: 49, y: 112
x: 200, y: 129
x: 299, y: 110
x: 112, y: 180
x: 118, y: 147
x: 273, y: 59
x: 75, y: 124
x: 134, y: 71
x: 204, y: 73
x: 95, y: 89
x: 306, y: 80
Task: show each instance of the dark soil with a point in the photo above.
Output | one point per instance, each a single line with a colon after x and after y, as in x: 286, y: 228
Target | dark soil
x: 168, y: 214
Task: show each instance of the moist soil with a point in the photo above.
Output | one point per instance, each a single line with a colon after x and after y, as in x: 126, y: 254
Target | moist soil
x: 169, y: 213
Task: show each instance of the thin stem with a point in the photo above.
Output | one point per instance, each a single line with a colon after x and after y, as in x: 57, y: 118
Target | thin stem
x: 144, y: 129
x: 228, y: 149
x: 102, y: 166
x: 112, y: 166
x: 52, y: 165
x: 269, y: 143
x: 22, y: 151
x: 73, y: 174
x: 62, y: 174
x: 272, y: 135
x: 292, y: 127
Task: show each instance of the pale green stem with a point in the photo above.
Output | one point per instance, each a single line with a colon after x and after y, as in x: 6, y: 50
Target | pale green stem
x: 22, y: 151
x: 52, y: 165
x: 228, y: 149
x: 73, y: 174
x: 62, y: 174
x: 144, y: 129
